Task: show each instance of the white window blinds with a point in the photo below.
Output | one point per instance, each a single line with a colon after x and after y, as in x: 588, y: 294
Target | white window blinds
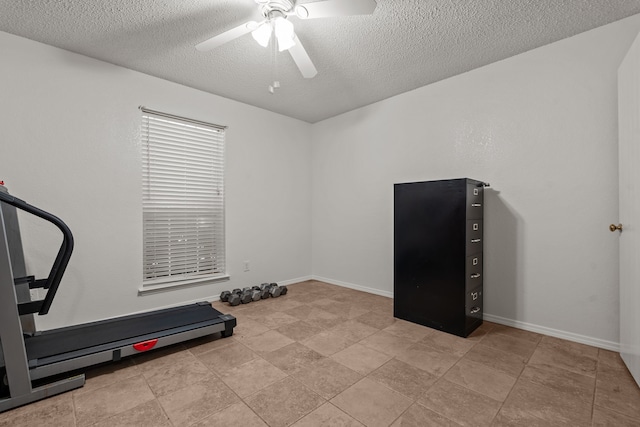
x: 182, y: 198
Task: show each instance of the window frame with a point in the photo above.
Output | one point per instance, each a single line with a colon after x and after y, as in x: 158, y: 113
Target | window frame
x: 177, y: 280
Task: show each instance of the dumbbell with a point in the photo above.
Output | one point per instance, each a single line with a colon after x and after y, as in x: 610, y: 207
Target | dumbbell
x: 284, y: 290
x: 264, y: 290
x: 234, y: 299
x: 224, y: 296
x: 275, y: 291
x: 245, y: 297
x: 256, y: 294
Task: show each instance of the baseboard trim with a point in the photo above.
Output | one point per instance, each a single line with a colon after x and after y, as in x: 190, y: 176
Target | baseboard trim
x: 569, y: 336
x: 292, y: 281
x: 354, y: 286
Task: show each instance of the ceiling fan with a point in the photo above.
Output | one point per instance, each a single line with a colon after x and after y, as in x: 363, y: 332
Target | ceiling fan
x: 275, y: 13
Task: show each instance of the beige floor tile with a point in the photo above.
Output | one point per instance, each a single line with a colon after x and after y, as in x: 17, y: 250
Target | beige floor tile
x: 327, y: 377
x: 327, y: 415
x: 300, y: 330
x: 569, y: 346
x: 293, y: 357
x: 237, y: 414
x: 354, y: 311
x: 509, y: 344
x: 561, y: 380
x: 480, y: 332
x: 284, y: 303
x: 209, y: 342
x: 516, y: 333
x: 617, y: 390
x: 565, y: 357
x: 428, y: 359
x: 404, y: 378
x: 56, y: 411
x: 376, y: 319
x: 371, y: 403
x: 113, y: 399
x: 611, y: 359
x: 419, y: 416
x: 514, y: 417
x: 460, y: 404
x: 481, y: 379
x: 387, y: 343
x: 283, y: 403
x: 249, y: 328
x: 328, y: 342
x: 316, y: 316
x: 273, y: 320
x: 251, y: 377
x: 448, y: 343
x: 304, y: 298
x: 508, y: 363
x: 326, y: 302
x: 177, y: 371
x: 266, y: 342
x: 199, y: 401
x: 547, y: 404
x: 100, y: 376
x: 360, y: 358
x: 353, y: 330
x: 346, y: 310
x: 148, y: 414
x: 227, y: 357
x: 603, y: 417
x: 409, y: 331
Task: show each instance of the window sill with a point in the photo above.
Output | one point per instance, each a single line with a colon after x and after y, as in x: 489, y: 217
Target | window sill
x: 165, y: 286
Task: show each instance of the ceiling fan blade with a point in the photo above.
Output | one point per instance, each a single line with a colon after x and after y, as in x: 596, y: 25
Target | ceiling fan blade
x: 227, y: 36
x: 302, y: 60
x: 328, y: 8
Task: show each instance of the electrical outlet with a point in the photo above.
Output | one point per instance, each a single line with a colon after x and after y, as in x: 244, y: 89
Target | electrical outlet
x: 246, y: 266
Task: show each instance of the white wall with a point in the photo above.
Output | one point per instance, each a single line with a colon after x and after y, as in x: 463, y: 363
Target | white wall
x: 541, y: 127
x: 69, y: 144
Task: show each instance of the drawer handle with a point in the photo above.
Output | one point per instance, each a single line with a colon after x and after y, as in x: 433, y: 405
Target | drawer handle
x: 476, y: 205
x: 475, y: 240
x: 475, y: 276
x: 474, y: 310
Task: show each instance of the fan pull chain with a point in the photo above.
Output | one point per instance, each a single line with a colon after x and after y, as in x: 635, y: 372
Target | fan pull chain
x: 274, y: 65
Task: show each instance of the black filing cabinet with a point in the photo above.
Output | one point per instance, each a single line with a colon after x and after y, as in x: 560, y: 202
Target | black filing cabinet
x: 438, y: 254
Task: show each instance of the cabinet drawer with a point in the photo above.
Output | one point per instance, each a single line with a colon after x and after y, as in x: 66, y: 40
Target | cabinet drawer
x: 474, y: 229
x: 474, y: 245
x: 474, y: 304
x: 475, y: 200
x: 473, y: 271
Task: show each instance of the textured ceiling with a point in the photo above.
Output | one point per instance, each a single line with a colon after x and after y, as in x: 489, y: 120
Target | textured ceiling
x: 405, y: 44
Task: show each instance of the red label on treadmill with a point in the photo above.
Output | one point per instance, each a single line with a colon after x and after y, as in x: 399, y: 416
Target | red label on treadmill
x: 145, y: 345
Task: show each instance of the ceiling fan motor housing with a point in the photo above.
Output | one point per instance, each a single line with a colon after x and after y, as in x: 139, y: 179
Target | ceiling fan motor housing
x: 269, y: 6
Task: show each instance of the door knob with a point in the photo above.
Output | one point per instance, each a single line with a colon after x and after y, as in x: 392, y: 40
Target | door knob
x: 614, y: 227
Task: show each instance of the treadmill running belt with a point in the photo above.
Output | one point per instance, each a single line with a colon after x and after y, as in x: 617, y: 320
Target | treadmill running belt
x: 64, y: 340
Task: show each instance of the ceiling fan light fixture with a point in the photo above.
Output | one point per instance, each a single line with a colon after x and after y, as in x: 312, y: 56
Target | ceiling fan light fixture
x: 262, y: 34
x: 284, y: 33
x: 302, y: 12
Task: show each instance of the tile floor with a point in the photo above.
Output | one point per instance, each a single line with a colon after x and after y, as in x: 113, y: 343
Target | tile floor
x: 325, y: 355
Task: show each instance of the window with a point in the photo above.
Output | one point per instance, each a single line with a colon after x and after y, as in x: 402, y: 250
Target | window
x: 182, y: 200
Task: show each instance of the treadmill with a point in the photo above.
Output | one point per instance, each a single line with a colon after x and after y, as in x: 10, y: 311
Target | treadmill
x: 31, y: 362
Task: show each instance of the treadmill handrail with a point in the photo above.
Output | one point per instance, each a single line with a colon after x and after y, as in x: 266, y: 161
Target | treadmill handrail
x: 64, y: 253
